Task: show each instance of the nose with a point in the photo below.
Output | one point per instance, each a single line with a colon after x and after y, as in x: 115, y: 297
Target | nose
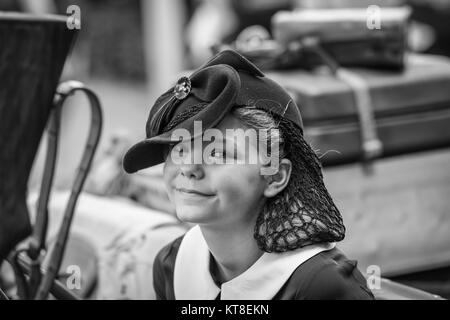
x: 191, y: 165
x: 192, y: 171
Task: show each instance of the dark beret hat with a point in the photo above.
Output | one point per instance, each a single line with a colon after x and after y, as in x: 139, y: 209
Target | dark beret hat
x: 226, y: 81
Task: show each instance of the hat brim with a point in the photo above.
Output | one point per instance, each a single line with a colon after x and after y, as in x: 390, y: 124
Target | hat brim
x: 144, y: 154
x: 150, y: 152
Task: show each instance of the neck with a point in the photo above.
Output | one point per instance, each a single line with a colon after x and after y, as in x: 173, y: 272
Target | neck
x: 234, y: 249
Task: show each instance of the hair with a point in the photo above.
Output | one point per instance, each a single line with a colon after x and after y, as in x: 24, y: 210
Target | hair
x: 260, y: 120
x: 304, y: 212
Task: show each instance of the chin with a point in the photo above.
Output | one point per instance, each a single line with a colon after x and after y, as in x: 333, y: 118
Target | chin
x: 194, y: 214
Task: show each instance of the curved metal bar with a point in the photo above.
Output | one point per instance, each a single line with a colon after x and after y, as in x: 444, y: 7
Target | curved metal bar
x: 3, y: 295
x: 37, y: 240
x: 58, y: 290
x: 40, y: 229
x: 64, y: 90
x: 23, y: 289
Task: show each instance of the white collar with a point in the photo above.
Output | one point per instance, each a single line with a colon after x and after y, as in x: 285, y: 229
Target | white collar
x: 262, y: 281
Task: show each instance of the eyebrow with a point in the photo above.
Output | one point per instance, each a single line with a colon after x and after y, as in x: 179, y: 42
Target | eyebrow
x: 226, y: 141
x: 236, y: 150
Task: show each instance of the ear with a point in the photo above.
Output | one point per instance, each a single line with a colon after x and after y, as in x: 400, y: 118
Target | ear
x: 277, y: 182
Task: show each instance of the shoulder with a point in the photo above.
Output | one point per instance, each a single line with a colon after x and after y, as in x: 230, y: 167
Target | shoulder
x: 163, y: 268
x: 169, y: 251
x: 329, y: 275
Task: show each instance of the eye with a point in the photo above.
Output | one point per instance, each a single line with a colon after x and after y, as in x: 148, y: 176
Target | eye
x: 179, y: 150
x: 218, y: 154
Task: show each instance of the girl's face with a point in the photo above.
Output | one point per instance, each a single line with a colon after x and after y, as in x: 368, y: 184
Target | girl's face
x: 212, y: 193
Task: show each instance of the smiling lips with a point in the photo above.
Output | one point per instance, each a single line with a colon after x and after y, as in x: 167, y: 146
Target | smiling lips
x: 192, y: 192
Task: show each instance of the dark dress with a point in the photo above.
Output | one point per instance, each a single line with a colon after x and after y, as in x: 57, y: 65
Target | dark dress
x: 328, y: 275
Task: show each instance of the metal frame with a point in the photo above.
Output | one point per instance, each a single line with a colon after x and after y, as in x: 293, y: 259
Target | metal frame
x: 34, y: 282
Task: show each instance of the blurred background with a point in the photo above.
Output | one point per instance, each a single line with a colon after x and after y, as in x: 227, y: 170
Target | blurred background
x: 130, y: 51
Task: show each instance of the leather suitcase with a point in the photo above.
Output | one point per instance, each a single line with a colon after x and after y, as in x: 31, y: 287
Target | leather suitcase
x: 347, y: 34
x: 397, y: 218
x: 411, y: 109
x: 327, y: 4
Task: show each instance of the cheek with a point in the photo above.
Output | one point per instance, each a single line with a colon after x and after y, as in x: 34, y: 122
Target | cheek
x: 169, y: 173
x: 239, y: 184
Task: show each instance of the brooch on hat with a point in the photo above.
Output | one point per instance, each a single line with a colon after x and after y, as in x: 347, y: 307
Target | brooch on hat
x: 182, y: 88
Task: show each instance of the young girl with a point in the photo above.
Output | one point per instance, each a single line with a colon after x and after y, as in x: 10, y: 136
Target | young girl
x: 238, y: 168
